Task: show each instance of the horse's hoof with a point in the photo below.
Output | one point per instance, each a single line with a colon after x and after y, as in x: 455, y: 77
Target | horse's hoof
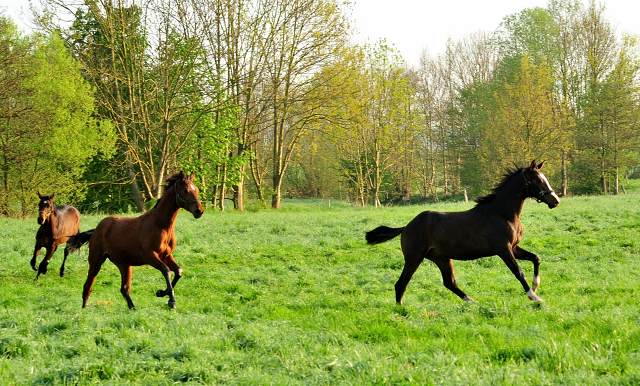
x: 34, y: 267
x: 468, y: 299
x: 160, y: 293
x: 62, y: 273
x: 172, y: 304
x: 532, y: 296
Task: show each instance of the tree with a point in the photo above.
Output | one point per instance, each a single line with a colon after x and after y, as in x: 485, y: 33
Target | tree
x: 524, y: 126
x: 47, y: 128
x: 374, y: 122
x: 597, y: 45
x: 306, y: 36
x: 152, y: 78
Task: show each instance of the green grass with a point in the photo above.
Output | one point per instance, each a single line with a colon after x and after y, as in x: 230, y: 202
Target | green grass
x: 296, y: 297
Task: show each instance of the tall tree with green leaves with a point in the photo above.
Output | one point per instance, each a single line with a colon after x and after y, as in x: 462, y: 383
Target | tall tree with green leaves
x: 48, y: 131
x: 524, y: 125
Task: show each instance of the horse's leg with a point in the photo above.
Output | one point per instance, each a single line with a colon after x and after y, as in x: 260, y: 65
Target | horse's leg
x: 66, y: 253
x: 521, y: 254
x: 448, y: 279
x: 509, y: 259
x: 36, y: 252
x: 42, y: 269
x: 177, y: 274
x: 126, y: 272
x: 162, y: 267
x: 95, y: 263
x: 410, y: 267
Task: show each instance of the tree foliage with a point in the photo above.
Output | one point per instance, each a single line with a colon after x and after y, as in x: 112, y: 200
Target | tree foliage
x: 262, y: 98
x: 48, y: 131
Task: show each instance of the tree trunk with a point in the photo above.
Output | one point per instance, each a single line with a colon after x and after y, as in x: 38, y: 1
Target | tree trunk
x: 276, y: 197
x: 565, y: 182
x: 135, y: 190
x: 223, y: 177
x: 256, y: 181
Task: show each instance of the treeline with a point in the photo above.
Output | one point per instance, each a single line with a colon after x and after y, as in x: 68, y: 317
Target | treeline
x: 263, y: 99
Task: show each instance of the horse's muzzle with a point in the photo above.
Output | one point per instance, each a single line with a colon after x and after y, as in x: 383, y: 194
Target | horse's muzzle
x: 553, y: 200
x: 197, y: 213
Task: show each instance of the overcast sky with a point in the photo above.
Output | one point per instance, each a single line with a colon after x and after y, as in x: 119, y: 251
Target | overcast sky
x: 414, y: 25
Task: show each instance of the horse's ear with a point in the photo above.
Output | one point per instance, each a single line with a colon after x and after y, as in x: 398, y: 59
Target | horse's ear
x: 192, y: 176
x: 540, y: 164
x: 533, y: 165
x: 182, y: 175
x: 51, y: 197
x: 40, y: 195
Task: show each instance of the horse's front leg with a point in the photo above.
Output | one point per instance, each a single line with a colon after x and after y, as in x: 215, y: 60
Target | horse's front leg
x: 521, y: 254
x: 42, y: 269
x: 36, y: 252
x: 162, y: 267
x: 509, y: 259
x: 177, y: 274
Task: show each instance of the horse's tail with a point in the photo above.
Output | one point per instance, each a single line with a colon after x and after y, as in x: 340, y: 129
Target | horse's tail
x: 382, y: 234
x: 76, y: 241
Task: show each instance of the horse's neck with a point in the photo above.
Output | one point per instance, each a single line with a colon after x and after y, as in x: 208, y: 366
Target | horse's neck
x: 54, y: 222
x: 167, y: 210
x: 510, y: 201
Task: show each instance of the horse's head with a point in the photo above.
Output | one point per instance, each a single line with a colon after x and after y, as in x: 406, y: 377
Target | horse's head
x: 45, y: 207
x: 187, y: 195
x: 538, y: 186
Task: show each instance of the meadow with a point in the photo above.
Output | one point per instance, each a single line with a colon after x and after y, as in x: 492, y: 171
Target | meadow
x: 295, y: 297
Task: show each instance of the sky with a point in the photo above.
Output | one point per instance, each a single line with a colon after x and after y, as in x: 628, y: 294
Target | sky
x: 415, y: 25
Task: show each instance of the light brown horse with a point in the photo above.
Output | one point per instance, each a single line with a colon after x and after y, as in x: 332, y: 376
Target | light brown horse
x: 148, y: 239
x: 57, y: 224
x: 492, y: 227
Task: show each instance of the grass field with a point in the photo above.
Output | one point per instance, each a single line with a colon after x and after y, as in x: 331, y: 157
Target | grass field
x: 296, y: 297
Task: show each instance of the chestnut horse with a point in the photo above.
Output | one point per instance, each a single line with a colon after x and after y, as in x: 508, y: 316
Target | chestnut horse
x: 148, y: 239
x: 492, y: 227
x: 57, y: 224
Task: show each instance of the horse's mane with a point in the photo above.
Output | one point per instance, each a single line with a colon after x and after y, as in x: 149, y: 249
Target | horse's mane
x: 508, y: 176
x: 170, y: 182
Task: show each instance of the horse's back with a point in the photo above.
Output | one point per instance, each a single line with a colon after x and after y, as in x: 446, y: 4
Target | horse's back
x: 457, y: 235
x: 68, y: 223
x: 119, y: 237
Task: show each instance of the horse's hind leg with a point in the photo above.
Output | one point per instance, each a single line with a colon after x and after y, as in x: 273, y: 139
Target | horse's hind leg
x: 410, y: 267
x: 521, y: 254
x: 66, y: 253
x: 448, y: 279
x: 95, y: 263
x: 126, y: 272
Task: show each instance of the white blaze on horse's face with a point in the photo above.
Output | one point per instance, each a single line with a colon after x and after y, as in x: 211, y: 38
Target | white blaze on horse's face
x: 555, y: 200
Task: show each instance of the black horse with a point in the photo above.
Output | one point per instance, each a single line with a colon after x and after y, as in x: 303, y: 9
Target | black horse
x: 492, y: 227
